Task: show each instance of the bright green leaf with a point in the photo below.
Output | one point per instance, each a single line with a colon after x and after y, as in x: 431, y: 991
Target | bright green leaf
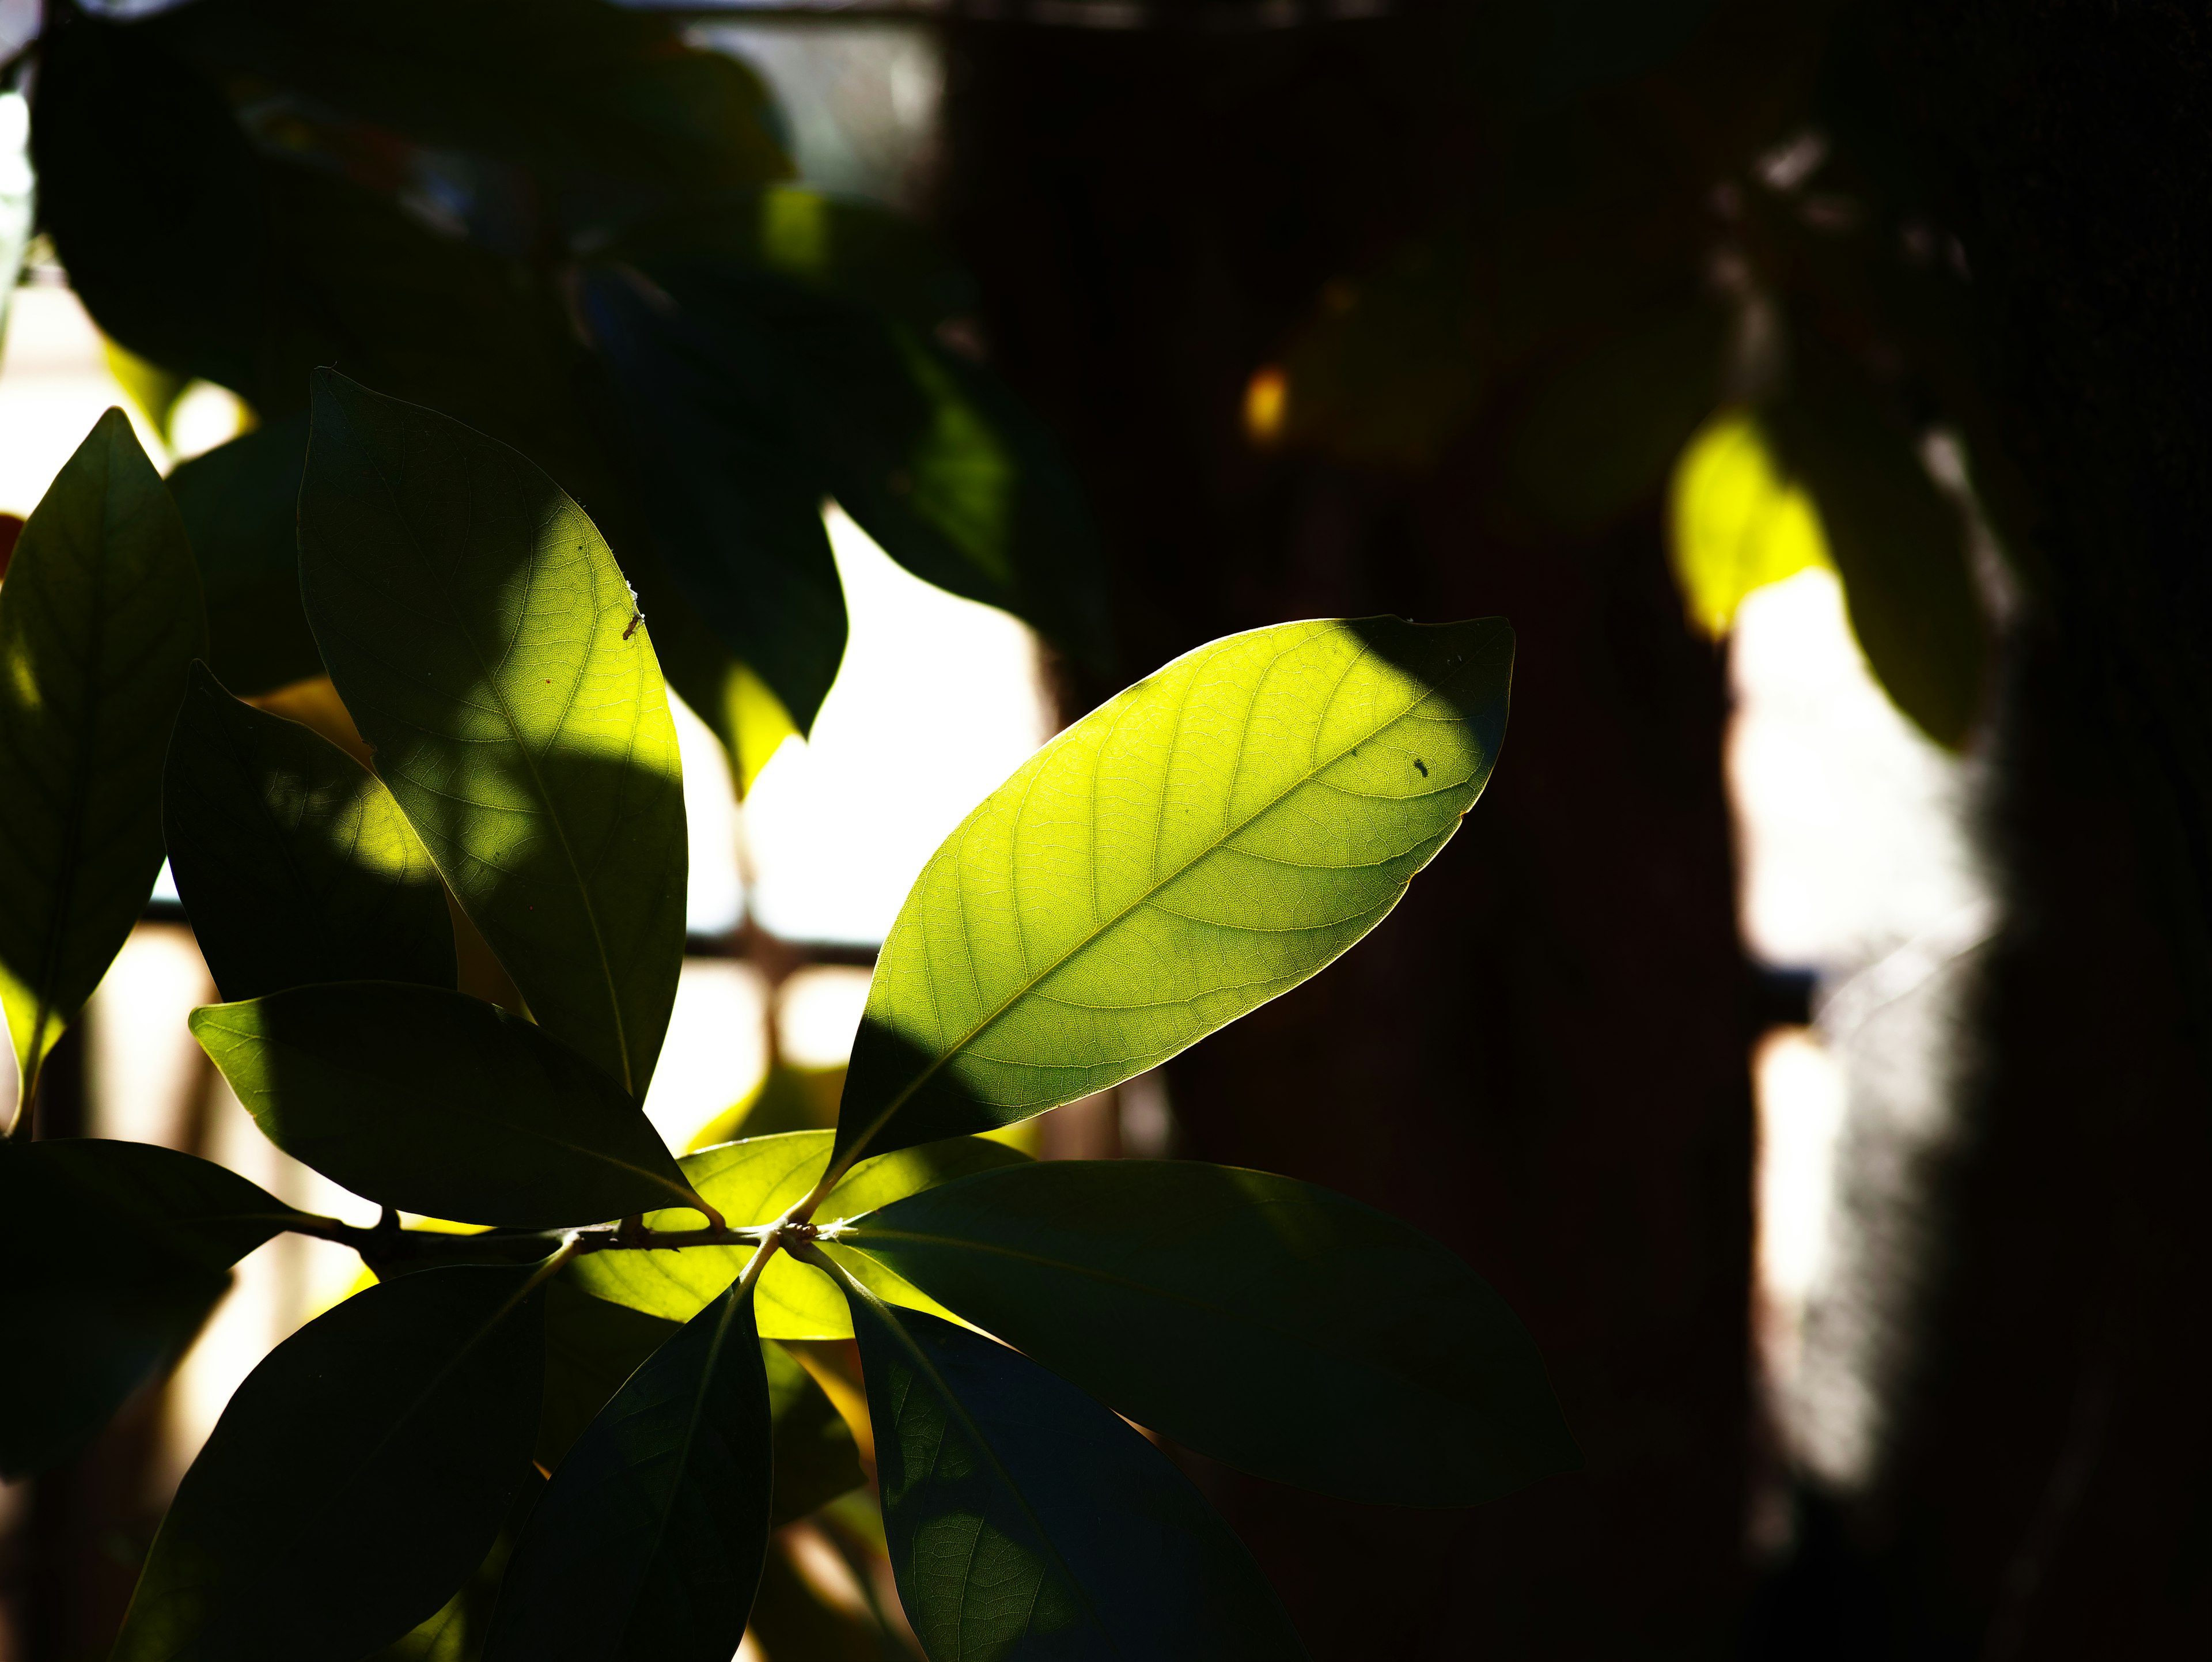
x: 756, y: 1181
x: 354, y: 1481
x: 1735, y: 524
x: 480, y: 633
x: 1026, y: 1521
x: 437, y: 1103
x: 116, y: 1251
x: 1202, y: 843
x: 648, y: 1541
x: 1270, y: 1324
x: 296, y: 864
x: 99, y: 617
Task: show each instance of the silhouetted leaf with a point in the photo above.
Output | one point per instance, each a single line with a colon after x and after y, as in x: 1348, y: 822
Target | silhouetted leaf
x: 241, y: 506
x: 115, y: 1253
x: 99, y: 619
x: 1206, y: 840
x: 437, y: 1103
x: 1025, y: 1520
x: 460, y: 1627
x: 757, y: 1181
x: 591, y: 1348
x: 816, y: 1460
x: 1899, y: 547
x: 1286, y: 1329
x: 648, y: 1541
x: 354, y: 1481
x: 479, y: 631
x: 296, y: 864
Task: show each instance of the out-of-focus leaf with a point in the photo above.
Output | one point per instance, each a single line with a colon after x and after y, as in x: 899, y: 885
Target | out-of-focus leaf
x: 100, y: 617
x: 791, y: 1617
x: 1735, y: 523
x: 1286, y: 1329
x: 1025, y: 1520
x: 649, y: 1539
x: 437, y: 1103
x: 152, y: 388
x: 816, y: 1460
x: 1206, y: 840
x: 390, y: 1434
x: 240, y: 507
x: 116, y: 1252
x: 1898, y: 545
x: 1598, y: 435
x: 754, y: 1182
x: 591, y: 1348
x: 480, y: 632
x: 788, y: 1099
x: 296, y: 864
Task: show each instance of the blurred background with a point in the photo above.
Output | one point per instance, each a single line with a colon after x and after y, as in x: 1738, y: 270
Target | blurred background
x: 1806, y: 1031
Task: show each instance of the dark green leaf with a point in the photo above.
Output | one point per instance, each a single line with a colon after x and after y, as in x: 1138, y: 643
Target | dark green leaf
x: 816, y: 1460
x: 756, y: 1181
x: 296, y: 864
x: 480, y: 633
x: 457, y: 1632
x: 1206, y: 840
x: 116, y: 1251
x: 354, y: 1481
x: 240, y: 504
x: 439, y: 1103
x: 99, y: 619
x: 1270, y: 1324
x: 1898, y: 545
x: 591, y: 1348
x: 647, y: 1542
x: 1025, y: 1520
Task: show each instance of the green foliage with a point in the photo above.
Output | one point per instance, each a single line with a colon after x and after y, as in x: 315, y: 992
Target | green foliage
x: 480, y: 635
x: 424, y: 1388
x: 1207, y: 840
x: 1154, y: 871
x: 295, y: 862
x: 99, y: 616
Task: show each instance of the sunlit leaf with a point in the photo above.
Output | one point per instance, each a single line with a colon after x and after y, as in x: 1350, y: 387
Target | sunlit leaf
x: 1735, y: 523
x: 437, y: 1103
x: 1275, y: 1325
x: 296, y: 864
x: 649, y: 1539
x: 479, y: 631
x: 388, y: 1435
x: 1202, y: 843
x: 1898, y: 545
x: 99, y: 616
x: 1025, y: 1520
x: 115, y: 1253
x: 756, y: 1181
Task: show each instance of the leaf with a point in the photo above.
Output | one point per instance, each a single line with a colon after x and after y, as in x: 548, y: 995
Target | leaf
x: 457, y: 1632
x: 1275, y: 1325
x: 757, y: 1181
x: 354, y: 1481
x: 1736, y: 525
x: 591, y: 1348
x: 1025, y: 1520
x: 99, y: 617
x: 295, y: 865
x: 816, y: 1460
x: 439, y: 1103
x: 1203, y: 841
x: 239, y: 502
x: 478, y: 629
x: 1899, y: 547
x: 648, y: 1541
x: 116, y: 1251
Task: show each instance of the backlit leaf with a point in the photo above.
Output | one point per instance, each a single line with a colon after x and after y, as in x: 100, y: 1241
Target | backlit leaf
x: 99, y: 617
x: 479, y: 630
x: 356, y: 1480
x: 437, y: 1103
x: 648, y: 1543
x: 756, y: 1181
x: 1735, y: 523
x: 1273, y: 1324
x: 1026, y: 1521
x: 296, y: 864
x: 1202, y: 843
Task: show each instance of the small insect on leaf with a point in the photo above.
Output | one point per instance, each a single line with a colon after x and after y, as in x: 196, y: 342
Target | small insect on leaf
x: 636, y: 615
